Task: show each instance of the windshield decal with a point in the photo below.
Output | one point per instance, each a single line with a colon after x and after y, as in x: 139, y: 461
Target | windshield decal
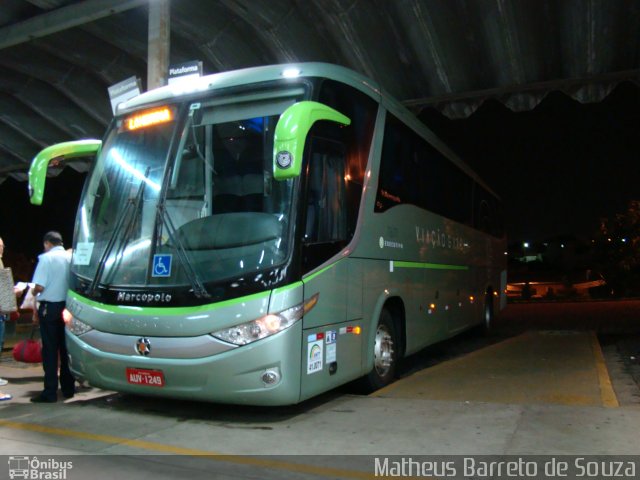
x: 162, y: 265
x: 82, y: 253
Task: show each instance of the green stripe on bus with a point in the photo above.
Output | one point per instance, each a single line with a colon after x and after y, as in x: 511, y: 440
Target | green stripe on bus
x: 142, y: 310
x: 287, y: 287
x: 319, y: 272
x: 430, y: 266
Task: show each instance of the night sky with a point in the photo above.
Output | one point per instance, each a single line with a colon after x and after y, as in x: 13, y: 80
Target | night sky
x: 558, y: 169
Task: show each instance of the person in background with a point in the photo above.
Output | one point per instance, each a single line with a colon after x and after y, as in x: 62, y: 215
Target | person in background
x: 51, y: 282
x: 3, y: 318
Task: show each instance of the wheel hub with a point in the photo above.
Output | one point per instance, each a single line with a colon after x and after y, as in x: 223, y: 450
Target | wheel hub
x: 383, y: 351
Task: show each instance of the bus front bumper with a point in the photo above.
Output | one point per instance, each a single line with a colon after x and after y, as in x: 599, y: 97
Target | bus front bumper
x: 236, y: 376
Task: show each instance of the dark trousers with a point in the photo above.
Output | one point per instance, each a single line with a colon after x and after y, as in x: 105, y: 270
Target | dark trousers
x: 54, y: 347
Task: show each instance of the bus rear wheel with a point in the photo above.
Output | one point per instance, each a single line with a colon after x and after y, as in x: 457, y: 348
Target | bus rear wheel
x: 488, y: 313
x: 385, y: 353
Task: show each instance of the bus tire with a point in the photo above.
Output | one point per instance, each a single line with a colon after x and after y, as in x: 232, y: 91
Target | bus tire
x: 488, y: 315
x: 385, y: 353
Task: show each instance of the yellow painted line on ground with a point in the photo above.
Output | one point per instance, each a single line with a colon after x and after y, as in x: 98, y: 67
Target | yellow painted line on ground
x: 447, y: 364
x: 591, y: 385
x: 215, y: 456
x: 609, y: 398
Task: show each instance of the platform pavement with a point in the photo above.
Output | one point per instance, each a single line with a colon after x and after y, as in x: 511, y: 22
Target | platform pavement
x: 25, y: 379
x: 537, y: 367
x: 100, y: 422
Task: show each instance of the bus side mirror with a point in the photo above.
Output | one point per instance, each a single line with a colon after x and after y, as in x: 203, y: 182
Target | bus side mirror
x: 60, y: 151
x: 291, y: 132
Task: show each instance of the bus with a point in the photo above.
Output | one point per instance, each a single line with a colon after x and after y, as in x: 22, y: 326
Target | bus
x: 264, y: 235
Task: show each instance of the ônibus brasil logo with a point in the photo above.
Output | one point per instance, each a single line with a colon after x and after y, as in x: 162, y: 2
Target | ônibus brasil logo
x: 33, y: 468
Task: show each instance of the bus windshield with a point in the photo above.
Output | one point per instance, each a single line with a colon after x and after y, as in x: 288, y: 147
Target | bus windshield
x: 187, y: 202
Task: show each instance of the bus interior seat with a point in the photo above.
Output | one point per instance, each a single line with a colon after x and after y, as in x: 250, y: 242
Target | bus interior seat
x: 183, y: 211
x: 252, y: 192
x: 227, y: 194
x: 230, y: 230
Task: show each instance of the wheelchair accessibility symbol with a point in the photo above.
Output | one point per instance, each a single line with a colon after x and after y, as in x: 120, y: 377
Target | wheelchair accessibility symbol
x: 161, y: 265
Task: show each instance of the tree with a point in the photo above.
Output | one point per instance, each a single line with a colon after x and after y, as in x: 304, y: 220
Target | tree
x: 618, y: 249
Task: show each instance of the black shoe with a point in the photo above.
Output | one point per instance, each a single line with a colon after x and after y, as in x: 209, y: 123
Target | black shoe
x: 68, y: 395
x: 41, y: 399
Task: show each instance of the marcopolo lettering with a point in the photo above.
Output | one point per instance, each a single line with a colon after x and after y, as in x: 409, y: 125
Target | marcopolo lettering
x: 144, y: 297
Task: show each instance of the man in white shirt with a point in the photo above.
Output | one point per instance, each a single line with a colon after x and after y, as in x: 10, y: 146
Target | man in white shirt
x: 51, y: 280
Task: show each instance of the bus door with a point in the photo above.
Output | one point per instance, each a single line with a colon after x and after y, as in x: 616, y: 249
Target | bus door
x: 331, y: 355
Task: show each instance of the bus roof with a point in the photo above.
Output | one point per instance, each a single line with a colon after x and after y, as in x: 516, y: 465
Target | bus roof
x: 247, y: 76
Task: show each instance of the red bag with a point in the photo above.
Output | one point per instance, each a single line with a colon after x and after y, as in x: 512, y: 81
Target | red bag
x: 28, y: 351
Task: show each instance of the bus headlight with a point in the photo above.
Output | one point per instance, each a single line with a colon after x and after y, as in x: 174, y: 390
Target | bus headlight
x: 266, y: 326
x: 76, y: 326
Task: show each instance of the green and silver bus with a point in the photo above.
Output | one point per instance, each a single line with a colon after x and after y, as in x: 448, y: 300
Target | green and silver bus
x: 264, y: 235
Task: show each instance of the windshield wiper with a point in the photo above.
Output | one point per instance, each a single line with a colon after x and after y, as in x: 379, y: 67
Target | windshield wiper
x: 199, y: 289
x: 163, y: 218
x: 132, y: 206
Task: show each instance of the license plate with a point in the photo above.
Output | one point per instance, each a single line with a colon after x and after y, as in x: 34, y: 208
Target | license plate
x: 152, y: 378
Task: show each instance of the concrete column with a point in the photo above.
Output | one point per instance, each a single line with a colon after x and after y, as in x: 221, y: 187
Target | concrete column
x: 159, y: 43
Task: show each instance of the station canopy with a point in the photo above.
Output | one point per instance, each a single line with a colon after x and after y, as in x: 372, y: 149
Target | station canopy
x: 58, y: 57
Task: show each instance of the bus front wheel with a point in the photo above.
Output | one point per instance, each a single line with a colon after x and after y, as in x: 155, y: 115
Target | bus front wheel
x: 385, y: 353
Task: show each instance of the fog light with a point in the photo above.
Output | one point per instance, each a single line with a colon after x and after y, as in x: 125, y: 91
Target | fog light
x: 270, y: 377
